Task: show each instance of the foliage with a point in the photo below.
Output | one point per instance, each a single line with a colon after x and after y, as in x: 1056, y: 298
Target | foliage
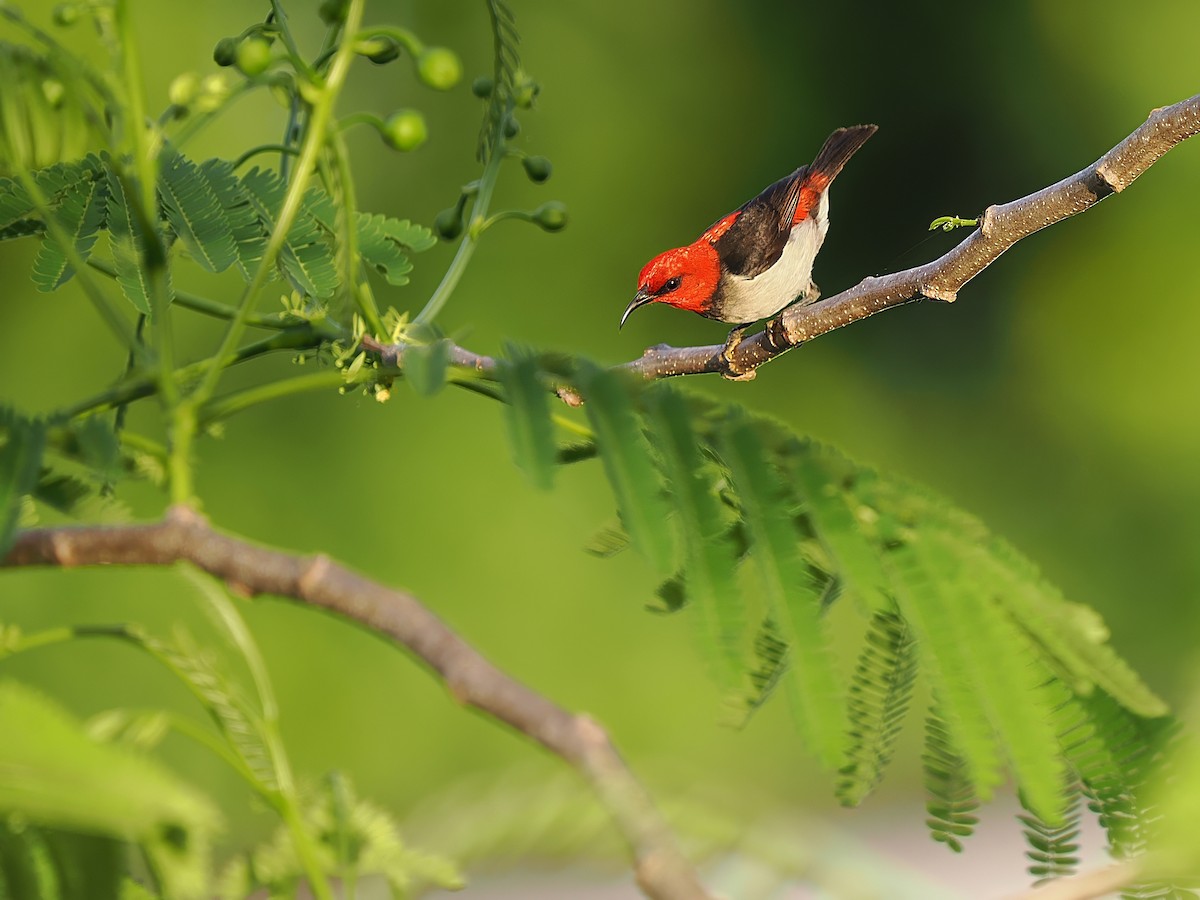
x: 754, y: 531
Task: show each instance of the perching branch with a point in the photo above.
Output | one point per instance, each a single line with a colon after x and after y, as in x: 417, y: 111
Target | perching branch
x: 999, y: 228
x: 1086, y: 885
x: 660, y: 868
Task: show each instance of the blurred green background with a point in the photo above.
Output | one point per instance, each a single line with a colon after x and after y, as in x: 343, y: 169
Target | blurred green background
x: 1057, y: 399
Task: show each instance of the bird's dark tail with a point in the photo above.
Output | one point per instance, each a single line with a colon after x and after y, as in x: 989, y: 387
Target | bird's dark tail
x: 838, y: 148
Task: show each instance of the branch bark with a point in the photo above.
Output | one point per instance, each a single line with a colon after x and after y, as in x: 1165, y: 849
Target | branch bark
x: 659, y: 867
x: 1086, y: 885
x: 999, y: 228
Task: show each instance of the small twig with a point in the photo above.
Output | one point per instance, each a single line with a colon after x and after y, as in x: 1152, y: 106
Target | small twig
x: 661, y: 870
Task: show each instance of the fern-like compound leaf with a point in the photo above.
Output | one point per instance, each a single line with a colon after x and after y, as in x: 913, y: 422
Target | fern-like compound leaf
x: 127, y: 244
x: 709, y: 561
x: 1053, y: 849
x: 306, y: 259
x: 530, y: 430
x: 631, y: 473
x: 238, y: 209
x: 821, y: 480
x: 880, y: 692
x: 195, y: 212
x: 951, y: 799
x: 22, y: 441
x: 80, y: 215
x: 792, y: 590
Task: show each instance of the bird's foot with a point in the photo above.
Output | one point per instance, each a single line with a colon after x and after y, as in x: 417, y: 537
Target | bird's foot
x: 811, y: 294
x: 728, y: 366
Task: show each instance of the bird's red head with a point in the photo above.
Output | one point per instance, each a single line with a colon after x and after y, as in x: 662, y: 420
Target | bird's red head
x: 685, y: 278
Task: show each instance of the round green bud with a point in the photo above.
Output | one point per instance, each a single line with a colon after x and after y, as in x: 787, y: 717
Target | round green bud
x: 381, y: 50
x: 551, y: 216
x: 448, y: 223
x: 404, y: 130
x: 439, y: 68
x: 482, y: 87
x: 333, y: 12
x: 526, y: 93
x: 66, y: 14
x: 225, y: 53
x: 511, y: 127
x: 253, y: 56
x: 184, y: 89
x: 538, y: 168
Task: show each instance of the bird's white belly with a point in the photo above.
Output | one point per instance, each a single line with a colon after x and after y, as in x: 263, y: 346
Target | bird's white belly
x: 751, y: 299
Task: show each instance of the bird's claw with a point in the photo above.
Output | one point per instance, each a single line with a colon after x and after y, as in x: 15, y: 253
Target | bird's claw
x: 726, y: 364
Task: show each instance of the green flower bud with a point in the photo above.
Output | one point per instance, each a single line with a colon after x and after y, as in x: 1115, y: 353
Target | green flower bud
x: 380, y: 50
x: 439, y: 68
x: 66, y: 14
x: 333, y: 12
x: 225, y: 53
x: 448, y: 223
x: 511, y: 127
x: 253, y: 56
x: 482, y: 87
x: 404, y: 130
x: 183, y: 89
x: 538, y: 168
x: 551, y: 216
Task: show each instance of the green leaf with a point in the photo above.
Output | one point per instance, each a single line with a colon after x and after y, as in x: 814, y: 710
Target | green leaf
x: 81, y: 215
x: 527, y: 413
x: 384, y: 243
x: 879, y: 696
x: 21, y: 444
x: 634, y: 481
x: 249, y: 233
x: 425, y: 366
x: 947, y: 637
x: 194, y: 211
x: 791, y: 590
x: 127, y: 243
x: 952, y: 800
x: 709, y: 558
x: 306, y: 258
x: 53, y: 774
x: 818, y: 475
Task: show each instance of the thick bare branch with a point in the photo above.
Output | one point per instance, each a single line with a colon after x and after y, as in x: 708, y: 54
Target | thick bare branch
x: 661, y: 870
x: 999, y: 228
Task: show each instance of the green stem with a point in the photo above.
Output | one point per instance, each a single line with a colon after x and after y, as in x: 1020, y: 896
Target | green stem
x: 487, y: 183
x: 359, y: 290
x: 228, y: 405
x: 298, y: 337
x: 289, y: 42
x: 264, y: 148
x: 318, y: 122
x: 404, y: 38
x: 360, y: 118
x: 200, y: 304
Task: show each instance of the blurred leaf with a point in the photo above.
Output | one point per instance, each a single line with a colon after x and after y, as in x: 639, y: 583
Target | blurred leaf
x: 635, y: 484
x: 46, y: 864
x: 791, y: 590
x: 425, y: 366
x: 709, y: 559
x: 127, y: 243
x: 880, y: 691
x: 53, y: 774
x: 21, y: 444
x: 952, y: 800
x: 530, y: 430
x: 80, y: 215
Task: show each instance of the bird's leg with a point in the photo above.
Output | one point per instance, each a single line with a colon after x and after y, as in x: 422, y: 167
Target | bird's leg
x: 811, y: 294
x: 728, y: 368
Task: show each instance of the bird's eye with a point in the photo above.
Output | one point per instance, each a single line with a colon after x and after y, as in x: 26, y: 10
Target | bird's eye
x: 670, y: 285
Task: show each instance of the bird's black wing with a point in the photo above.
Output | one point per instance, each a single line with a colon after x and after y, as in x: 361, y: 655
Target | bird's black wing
x: 755, y: 240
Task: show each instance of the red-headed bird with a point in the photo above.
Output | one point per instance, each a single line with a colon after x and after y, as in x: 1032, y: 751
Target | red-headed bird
x: 758, y: 259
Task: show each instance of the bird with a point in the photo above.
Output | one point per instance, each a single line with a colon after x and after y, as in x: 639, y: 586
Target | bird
x: 757, y: 260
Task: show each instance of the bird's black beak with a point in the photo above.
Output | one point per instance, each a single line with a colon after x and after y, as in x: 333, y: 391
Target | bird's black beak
x: 641, y: 298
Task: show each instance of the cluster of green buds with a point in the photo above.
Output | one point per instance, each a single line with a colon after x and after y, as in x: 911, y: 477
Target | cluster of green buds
x: 250, y: 52
x: 550, y: 216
